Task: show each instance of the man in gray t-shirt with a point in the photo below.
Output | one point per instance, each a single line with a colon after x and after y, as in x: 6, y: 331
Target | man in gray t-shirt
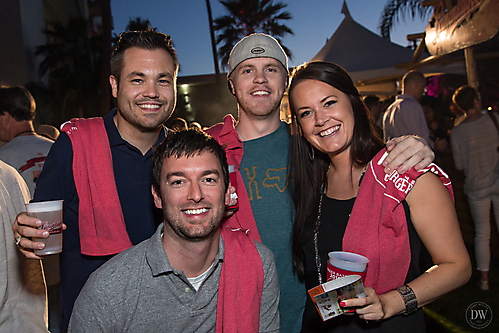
x: 24, y: 149
x: 193, y: 274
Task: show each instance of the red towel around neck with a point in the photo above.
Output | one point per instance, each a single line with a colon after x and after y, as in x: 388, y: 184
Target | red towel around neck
x: 377, y: 228
x: 226, y: 135
x: 241, y: 284
x: 100, y: 218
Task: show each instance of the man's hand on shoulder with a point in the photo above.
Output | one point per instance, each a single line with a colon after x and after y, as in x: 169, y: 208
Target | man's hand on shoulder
x: 406, y: 152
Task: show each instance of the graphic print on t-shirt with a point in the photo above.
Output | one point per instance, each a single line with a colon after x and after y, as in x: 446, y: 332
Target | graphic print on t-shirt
x: 32, y: 163
x: 277, y: 178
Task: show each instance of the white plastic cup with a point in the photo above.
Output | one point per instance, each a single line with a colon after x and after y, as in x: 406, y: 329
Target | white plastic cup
x: 342, y: 264
x: 50, y: 213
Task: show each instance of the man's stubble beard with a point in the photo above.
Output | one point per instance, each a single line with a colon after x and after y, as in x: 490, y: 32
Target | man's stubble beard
x: 173, y: 220
x: 132, y: 118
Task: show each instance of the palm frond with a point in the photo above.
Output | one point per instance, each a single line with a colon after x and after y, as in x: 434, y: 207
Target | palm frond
x: 248, y: 16
x: 395, y: 10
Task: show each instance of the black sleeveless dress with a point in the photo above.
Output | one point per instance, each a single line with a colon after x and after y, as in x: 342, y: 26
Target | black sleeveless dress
x: 334, y: 219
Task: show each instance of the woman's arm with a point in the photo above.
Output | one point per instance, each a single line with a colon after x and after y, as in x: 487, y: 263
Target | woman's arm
x: 435, y: 220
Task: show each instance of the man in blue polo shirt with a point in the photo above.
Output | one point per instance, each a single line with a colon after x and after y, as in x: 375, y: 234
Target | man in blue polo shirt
x: 144, y: 70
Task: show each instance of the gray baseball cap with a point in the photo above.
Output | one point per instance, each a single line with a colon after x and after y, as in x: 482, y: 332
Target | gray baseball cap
x: 256, y: 46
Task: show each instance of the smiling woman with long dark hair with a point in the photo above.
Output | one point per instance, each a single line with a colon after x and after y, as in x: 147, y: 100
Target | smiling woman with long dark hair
x: 344, y: 201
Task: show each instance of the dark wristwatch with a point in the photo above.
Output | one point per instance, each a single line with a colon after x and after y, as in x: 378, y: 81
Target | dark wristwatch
x: 409, y: 297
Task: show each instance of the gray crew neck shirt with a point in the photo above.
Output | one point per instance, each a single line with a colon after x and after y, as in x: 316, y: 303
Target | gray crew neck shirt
x: 139, y: 291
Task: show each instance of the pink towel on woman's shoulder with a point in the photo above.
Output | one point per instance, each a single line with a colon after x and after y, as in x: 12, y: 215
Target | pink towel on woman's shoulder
x: 100, y: 218
x: 377, y: 228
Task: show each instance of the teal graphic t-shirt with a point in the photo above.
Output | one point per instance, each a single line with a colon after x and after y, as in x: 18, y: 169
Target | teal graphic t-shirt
x: 265, y: 171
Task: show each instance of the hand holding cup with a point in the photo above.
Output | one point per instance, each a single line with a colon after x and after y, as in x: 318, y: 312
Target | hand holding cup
x: 28, y: 234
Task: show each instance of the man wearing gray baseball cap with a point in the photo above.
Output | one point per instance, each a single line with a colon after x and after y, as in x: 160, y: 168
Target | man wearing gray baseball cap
x: 258, y: 77
x: 257, y: 46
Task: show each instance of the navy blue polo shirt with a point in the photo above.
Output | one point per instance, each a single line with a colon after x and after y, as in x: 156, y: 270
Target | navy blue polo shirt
x: 133, y: 175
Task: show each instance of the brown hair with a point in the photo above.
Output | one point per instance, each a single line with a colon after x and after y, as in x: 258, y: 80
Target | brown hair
x: 465, y: 97
x: 148, y: 39
x: 187, y: 143
x: 18, y: 102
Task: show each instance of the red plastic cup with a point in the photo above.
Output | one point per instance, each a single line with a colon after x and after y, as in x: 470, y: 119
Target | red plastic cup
x: 342, y: 264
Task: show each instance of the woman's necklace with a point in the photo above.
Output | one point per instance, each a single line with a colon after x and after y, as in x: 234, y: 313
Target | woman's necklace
x: 316, y: 234
x: 30, y: 131
x: 318, y: 263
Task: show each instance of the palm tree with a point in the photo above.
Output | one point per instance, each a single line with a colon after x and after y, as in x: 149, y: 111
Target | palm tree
x: 400, y: 8
x: 139, y: 24
x: 136, y: 24
x: 106, y: 50
x: 213, y: 43
x: 249, y: 16
x: 72, y: 59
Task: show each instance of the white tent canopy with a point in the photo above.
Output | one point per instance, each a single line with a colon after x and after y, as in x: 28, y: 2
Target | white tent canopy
x: 367, y: 56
